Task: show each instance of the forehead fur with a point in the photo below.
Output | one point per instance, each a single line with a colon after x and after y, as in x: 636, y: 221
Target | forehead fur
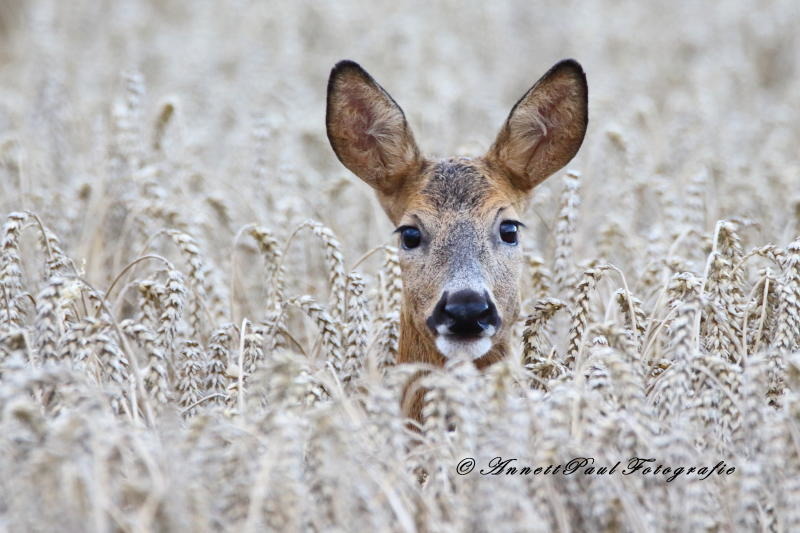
x: 456, y: 185
x: 461, y: 185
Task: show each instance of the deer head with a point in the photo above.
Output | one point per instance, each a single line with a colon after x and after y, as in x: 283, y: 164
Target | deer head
x: 458, y: 219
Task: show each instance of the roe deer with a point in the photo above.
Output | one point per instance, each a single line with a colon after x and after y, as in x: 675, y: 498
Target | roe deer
x: 457, y: 218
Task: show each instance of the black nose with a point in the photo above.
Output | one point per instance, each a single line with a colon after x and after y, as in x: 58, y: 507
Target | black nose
x: 465, y: 313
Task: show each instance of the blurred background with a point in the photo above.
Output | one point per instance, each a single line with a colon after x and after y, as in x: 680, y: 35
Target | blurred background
x: 209, y: 115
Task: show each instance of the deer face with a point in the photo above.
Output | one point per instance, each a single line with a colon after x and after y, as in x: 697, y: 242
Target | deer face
x: 460, y: 255
x: 457, y: 219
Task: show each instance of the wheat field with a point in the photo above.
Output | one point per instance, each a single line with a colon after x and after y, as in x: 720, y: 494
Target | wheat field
x: 199, y: 305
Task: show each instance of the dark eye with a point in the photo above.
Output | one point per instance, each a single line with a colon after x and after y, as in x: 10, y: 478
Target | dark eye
x: 509, y: 232
x: 410, y: 237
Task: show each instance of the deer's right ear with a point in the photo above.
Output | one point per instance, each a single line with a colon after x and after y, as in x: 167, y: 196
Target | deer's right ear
x: 368, y: 130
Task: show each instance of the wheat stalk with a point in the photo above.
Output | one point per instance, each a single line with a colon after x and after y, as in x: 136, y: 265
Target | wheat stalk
x: 563, y: 263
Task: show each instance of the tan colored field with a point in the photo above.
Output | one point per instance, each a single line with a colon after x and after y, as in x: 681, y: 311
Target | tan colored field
x: 192, y: 339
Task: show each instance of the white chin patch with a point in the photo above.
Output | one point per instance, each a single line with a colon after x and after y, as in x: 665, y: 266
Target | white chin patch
x: 456, y: 349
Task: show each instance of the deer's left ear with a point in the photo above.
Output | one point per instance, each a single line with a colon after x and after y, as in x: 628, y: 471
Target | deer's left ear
x: 545, y: 128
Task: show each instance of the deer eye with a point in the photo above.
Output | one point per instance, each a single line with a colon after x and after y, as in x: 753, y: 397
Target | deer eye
x: 509, y: 232
x: 410, y: 237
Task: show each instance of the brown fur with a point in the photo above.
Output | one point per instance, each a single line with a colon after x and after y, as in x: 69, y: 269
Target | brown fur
x: 457, y: 204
